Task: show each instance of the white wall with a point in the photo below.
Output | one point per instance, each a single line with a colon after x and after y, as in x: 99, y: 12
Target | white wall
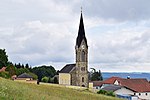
x: 144, y: 96
x: 124, y: 91
x: 127, y: 91
x: 64, y: 78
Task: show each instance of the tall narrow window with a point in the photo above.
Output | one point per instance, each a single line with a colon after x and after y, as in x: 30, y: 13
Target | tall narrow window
x: 82, y: 79
x: 83, y: 56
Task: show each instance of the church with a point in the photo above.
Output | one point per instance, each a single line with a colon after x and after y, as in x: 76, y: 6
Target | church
x: 77, y: 74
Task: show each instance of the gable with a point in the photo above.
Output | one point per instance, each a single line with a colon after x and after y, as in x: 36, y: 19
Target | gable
x: 111, y: 80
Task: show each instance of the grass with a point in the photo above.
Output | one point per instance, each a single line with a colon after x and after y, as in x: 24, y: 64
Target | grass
x: 11, y: 90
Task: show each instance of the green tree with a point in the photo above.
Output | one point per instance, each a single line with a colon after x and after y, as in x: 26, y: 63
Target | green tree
x: 3, y: 58
x: 55, y: 80
x: 35, y: 77
x: 43, y: 71
x: 11, y: 69
x: 45, y: 79
x: 4, y: 74
x: 96, y: 75
x: 27, y: 66
x: 21, y: 71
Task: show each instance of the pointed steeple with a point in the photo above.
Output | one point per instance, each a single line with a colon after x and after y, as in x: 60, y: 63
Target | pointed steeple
x: 81, y: 33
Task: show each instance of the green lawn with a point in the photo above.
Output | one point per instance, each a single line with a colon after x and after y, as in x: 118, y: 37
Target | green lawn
x: 10, y: 90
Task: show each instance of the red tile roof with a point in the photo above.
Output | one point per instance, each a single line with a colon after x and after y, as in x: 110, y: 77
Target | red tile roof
x: 107, y: 81
x: 3, y: 69
x: 138, y: 85
x: 97, y: 83
x: 111, y: 80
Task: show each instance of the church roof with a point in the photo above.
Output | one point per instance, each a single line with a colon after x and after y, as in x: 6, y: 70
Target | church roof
x: 81, y: 33
x: 24, y: 75
x: 67, y: 68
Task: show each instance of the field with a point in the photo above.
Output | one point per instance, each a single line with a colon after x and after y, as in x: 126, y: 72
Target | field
x: 11, y: 90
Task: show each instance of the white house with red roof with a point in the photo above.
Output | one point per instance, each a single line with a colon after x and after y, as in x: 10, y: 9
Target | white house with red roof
x: 130, y: 87
x: 139, y: 87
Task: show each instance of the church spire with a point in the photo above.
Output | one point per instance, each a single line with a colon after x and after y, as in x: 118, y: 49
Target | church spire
x: 81, y: 32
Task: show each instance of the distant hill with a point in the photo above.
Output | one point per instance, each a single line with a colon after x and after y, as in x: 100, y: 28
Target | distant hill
x: 11, y: 90
x: 107, y: 75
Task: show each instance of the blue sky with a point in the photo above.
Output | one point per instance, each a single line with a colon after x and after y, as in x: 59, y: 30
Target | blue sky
x: 44, y: 32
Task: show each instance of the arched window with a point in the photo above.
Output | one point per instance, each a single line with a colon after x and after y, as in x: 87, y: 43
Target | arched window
x: 82, y: 79
x: 83, y: 56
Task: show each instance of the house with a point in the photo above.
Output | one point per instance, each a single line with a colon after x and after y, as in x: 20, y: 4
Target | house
x: 77, y: 74
x: 13, y: 77
x: 109, y: 81
x: 25, y: 78
x: 140, y: 87
x: 95, y: 84
x: 128, y: 97
x: 119, y: 90
x: 3, y: 69
x: 127, y: 88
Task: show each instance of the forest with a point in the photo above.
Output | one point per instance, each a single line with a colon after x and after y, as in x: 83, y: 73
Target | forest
x: 43, y: 73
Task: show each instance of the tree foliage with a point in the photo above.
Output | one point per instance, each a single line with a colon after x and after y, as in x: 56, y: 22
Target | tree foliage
x: 17, y: 69
x: 96, y: 75
x: 22, y: 65
x: 11, y: 70
x: 108, y: 93
x: 35, y: 77
x: 22, y: 70
x: 45, y: 79
x: 3, y: 58
x: 42, y: 71
x: 4, y: 74
x: 55, y: 80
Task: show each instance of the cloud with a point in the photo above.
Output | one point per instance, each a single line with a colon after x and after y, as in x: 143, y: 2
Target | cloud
x: 35, y: 42
x: 44, y: 32
x: 125, y: 47
x: 135, y: 10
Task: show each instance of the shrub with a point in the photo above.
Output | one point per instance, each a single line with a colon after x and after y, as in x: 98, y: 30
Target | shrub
x: 4, y: 74
x: 102, y: 92
x: 55, y: 80
x: 45, y: 79
x: 108, y: 93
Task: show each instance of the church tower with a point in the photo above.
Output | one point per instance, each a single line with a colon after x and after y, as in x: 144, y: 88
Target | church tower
x: 81, y: 49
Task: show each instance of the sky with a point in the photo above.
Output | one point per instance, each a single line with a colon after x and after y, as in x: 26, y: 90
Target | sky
x: 43, y: 32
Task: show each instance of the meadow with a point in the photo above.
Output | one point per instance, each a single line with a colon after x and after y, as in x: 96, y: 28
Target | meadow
x: 11, y: 90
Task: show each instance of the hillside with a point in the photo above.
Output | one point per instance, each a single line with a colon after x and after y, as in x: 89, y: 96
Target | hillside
x: 10, y: 90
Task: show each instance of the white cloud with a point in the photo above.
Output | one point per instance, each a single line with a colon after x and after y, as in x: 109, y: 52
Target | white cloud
x: 45, y: 31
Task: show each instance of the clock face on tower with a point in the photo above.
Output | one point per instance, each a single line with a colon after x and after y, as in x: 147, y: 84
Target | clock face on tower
x: 83, y: 46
